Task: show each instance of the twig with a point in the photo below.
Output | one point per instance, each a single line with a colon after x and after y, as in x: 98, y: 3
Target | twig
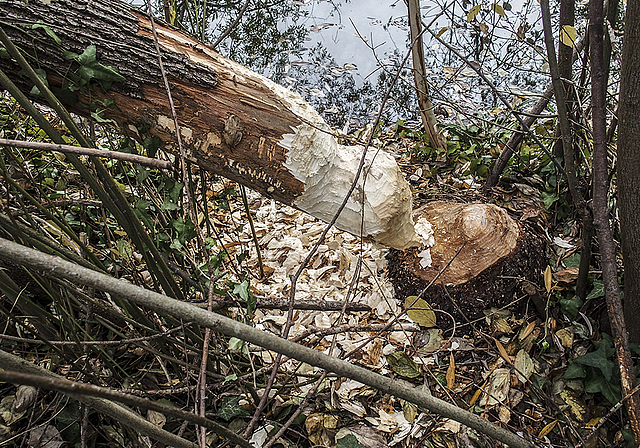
x: 68, y: 149
x: 87, y: 343
x: 120, y: 413
x: 76, y: 388
x: 283, y: 304
x: 232, y: 26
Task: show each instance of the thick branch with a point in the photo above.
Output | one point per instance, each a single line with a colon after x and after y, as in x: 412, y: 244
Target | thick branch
x: 62, y: 269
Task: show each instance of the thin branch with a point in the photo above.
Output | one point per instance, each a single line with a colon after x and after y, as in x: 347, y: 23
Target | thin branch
x: 73, y: 387
x: 116, y: 411
x: 80, y: 150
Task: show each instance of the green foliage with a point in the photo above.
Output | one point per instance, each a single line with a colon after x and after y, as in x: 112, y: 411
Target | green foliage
x: 570, y: 305
x: 229, y: 407
x: 599, y: 371
x: 349, y: 441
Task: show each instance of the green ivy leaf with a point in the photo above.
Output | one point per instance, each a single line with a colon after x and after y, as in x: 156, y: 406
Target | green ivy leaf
x: 574, y: 371
x: 601, y: 358
x: 597, y: 291
x: 401, y: 364
x: 229, y: 408
x: 608, y: 389
x: 88, y: 55
x: 46, y: 29
x: 570, y: 306
x: 168, y: 204
x: 349, y: 441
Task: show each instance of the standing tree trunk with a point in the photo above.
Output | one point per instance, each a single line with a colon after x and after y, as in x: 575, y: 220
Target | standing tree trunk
x: 628, y: 167
x: 628, y: 87
x: 422, y: 89
x: 565, y: 64
x: 233, y: 122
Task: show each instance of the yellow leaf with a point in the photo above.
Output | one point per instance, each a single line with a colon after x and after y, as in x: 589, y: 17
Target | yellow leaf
x: 568, y: 35
x: 547, y: 279
x: 592, y: 423
x: 442, y: 31
x: 473, y: 13
x: 547, y: 429
x: 527, y: 331
x: 475, y: 397
x: 498, y: 10
x: 420, y: 312
x: 451, y: 372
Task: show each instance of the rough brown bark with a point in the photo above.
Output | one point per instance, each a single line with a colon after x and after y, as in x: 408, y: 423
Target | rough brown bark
x: 565, y: 65
x: 628, y: 169
x: 233, y: 122
x: 600, y: 195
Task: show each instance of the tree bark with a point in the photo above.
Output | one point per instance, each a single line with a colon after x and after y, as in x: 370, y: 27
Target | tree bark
x: 619, y: 328
x: 628, y: 168
x: 422, y: 88
x: 233, y: 122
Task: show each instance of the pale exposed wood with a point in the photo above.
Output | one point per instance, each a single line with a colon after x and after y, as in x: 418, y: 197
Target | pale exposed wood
x: 486, y: 231
x: 233, y: 122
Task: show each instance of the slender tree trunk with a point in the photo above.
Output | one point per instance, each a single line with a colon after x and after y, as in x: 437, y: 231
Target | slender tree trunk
x: 601, y: 191
x: 422, y: 88
x: 565, y: 64
x: 232, y: 121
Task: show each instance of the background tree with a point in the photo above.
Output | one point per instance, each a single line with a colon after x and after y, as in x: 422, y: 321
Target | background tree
x: 628, y: 166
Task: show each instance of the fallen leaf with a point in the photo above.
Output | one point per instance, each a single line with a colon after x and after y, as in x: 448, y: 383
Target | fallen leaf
x: 420, y: 312
x: 565, y: 336
x: 321, y: 428
x: 523, y: 365
x: 497, y: 388
x: 547, y: 279
x: 45, y: 437
x: 401, y: 364
x: 547, y: 429
x: 451, y: 372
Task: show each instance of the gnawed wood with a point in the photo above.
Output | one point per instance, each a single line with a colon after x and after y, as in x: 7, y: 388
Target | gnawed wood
x: 233, y: 122
x: 497, y: 256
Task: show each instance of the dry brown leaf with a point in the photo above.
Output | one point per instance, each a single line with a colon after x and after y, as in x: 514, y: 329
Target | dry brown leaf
x: 321, y: 428
x: 547, y: 429
x: 565, y: 336
x: 497, y: 389
x: 475, y: 397
x: 502, y: 351
x: 548, y: 279
x: 568, y: 275
x: 527, y: 330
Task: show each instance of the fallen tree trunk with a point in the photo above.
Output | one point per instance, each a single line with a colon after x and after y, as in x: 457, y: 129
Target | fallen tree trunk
x: 233, y: 122
x: 240, y: 125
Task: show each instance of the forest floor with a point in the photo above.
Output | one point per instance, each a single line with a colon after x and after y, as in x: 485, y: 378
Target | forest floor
x: 548, y: 373
x: 551, y: 376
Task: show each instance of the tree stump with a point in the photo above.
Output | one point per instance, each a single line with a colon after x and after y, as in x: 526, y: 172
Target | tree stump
x: 497, y: 257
